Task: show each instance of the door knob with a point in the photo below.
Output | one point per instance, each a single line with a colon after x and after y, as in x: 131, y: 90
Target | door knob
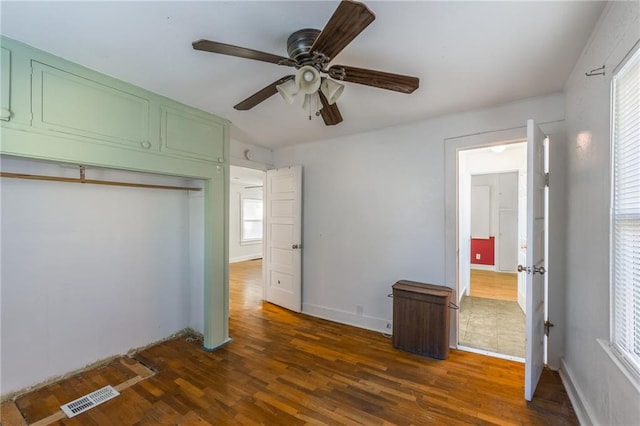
x: 536, y: 269
x: 539, y: 270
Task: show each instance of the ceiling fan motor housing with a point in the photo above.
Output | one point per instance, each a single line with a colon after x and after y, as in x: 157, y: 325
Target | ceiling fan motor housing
x: 299, y: 45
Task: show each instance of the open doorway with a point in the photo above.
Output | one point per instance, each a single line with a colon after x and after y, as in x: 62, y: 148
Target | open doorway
x: 246, y: 237
x: 492, y: 241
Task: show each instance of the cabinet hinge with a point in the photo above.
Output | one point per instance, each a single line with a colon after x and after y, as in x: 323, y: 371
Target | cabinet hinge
x: 546, y: 179
x: 547, y: 326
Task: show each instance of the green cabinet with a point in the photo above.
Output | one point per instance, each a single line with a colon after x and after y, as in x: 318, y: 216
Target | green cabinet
x: 5, y: 85
x: 53, y: 109
x: 68, y: 103
x: 51, y: 96
x: 191, y: 134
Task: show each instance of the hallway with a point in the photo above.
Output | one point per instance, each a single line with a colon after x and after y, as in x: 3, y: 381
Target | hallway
x: 491, y: 319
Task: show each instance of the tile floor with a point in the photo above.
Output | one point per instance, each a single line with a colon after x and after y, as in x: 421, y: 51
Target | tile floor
x: 492, y: 325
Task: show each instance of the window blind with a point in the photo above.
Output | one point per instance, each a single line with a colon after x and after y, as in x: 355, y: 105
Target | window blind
x: 625, y: 213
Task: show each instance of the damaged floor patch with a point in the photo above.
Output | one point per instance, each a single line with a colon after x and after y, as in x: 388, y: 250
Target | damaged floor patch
x: 42, y: 407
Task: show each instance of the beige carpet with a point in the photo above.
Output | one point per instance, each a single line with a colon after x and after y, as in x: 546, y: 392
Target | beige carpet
x: 492, y: 325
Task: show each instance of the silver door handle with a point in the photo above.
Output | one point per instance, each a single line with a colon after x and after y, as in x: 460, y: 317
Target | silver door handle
x: 296, y: 246
x: 536, y: 270
x: 539, y: 270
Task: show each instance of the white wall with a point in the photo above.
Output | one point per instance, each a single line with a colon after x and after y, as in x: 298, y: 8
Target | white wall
x: 606, y: 395
x: 374, y: 209
x: 238, y: 251
x: 481, y: 219
x: 260, y: 158
x: 88, y: 271
x: 464, y: 226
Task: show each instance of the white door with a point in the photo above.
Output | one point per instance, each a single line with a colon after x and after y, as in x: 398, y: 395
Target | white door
x: 508, y: 240
x: 283, y: 244
x: 507, y: 244
x: 534, y: 349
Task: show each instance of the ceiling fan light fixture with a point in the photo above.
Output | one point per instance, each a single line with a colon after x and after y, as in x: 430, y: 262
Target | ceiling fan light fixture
x: 310, y: 51
x: 331, y: 90
x: 308, y: 79
x: 288, y: 90
x: 312, y: 104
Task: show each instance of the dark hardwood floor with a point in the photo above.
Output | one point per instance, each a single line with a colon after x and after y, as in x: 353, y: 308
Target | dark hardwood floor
x: 288, y: 369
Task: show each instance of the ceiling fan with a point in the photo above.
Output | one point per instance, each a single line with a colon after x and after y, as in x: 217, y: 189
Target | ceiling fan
x: 310, y: 52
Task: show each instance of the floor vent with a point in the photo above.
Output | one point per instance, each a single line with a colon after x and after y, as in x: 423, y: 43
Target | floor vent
x: 89, y: 401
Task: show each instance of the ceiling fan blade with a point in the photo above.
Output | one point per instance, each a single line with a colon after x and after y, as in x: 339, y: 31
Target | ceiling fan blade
x: 261, y: 95
x: 349, y: 19
x: 330, y: 113
x: 382, y: 80
x: 241, y: 52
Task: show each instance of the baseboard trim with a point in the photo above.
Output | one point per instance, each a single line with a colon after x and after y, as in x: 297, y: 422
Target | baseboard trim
x: 245, y: 258
x: 483, y: 267
x: 576, y: 396
x: 344, y: 317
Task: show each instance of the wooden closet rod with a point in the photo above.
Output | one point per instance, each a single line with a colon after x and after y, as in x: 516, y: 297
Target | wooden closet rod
x: 94, y: 182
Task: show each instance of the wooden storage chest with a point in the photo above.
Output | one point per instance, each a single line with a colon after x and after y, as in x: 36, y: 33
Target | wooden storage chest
x: 421, y: 318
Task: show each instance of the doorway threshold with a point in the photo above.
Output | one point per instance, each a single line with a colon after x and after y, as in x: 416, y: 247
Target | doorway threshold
x: 492, y: 354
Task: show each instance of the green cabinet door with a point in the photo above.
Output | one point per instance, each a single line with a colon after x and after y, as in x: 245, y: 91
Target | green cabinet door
x: 192, y: 134
x: 73, y: 104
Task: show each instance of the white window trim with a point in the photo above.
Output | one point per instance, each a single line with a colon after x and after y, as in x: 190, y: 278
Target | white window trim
x: 248, y: 241
x: 628, y: 368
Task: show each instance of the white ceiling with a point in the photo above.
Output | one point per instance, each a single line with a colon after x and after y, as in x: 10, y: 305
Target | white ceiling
x: 466, y: 54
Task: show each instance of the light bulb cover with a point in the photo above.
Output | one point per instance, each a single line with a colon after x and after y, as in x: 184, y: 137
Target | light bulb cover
x: 288, y: 90
x: 312, y: 103
x: 308, y: 79
x: 331, y: 90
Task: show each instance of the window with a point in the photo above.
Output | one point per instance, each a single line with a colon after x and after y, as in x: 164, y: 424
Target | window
x: 625, y: 214
x: 251, y: 219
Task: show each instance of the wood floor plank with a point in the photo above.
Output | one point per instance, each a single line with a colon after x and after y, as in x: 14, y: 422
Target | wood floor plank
x: 10, y: 415
x: 494, y: 285
x: 284, y: 368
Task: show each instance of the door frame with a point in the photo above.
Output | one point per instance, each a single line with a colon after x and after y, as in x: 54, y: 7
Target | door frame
x: 557, y: 193
x: 452, y: 146
x: 499, y: 243
x: 258, y: 167
x: 459, y: 209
